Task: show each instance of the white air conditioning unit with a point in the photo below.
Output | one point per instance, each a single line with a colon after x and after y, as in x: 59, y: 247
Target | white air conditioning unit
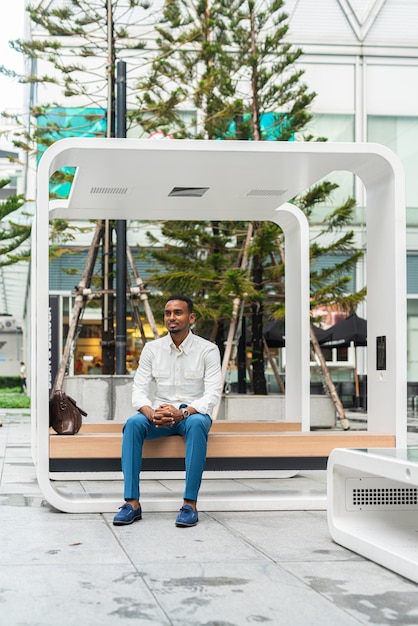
x: 373, y: 505
x: 9, y: 325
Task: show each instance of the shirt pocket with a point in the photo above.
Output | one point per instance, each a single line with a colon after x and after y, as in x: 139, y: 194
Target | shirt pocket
x: 191, y: 375
x: 159, y: 374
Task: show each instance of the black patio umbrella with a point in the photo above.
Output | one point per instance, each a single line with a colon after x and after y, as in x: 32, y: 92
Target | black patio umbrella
x: 274, y: 333
x: 353, y: 329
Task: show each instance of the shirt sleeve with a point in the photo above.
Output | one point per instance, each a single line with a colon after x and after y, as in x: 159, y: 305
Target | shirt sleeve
x: 212, y: 383
x: 142, y: 385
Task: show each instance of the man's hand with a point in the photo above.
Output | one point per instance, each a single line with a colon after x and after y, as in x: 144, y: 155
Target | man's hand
x: 148, y: 411
x: 166, y: 415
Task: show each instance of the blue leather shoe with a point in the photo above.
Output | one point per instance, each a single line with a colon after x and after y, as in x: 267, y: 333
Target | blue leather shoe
x: 127, y: 515
x: 187, y: 517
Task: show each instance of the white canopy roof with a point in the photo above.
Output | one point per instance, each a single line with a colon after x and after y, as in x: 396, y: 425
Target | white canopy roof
x: 135, y: 179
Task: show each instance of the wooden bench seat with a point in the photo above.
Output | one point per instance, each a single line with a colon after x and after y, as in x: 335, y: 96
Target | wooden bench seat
x: 231, y: 445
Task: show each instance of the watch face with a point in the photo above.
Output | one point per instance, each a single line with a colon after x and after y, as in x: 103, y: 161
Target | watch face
x: 185, y: 413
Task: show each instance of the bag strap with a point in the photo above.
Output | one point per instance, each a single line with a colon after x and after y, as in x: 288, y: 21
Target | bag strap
x: 77, y: 407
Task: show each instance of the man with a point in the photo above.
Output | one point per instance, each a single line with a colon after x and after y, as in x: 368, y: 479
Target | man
x: 22, y: 373
x: 176, y: 387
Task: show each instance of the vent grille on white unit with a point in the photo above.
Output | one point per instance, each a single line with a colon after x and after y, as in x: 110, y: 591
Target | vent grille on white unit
x: 380, y: 494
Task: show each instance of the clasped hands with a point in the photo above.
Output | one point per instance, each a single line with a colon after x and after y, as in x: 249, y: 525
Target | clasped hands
x: 165, y: 415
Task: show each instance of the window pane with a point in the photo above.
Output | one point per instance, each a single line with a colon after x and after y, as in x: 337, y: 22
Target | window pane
x: 400, y: 134
x: 412, y: 273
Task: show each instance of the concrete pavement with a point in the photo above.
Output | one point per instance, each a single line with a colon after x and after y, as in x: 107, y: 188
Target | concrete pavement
x: 231, y: 569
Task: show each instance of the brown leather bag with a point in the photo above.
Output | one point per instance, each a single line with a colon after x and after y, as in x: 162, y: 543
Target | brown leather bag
x: 65, y: 417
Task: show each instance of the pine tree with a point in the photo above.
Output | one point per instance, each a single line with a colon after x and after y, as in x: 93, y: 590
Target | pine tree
x: 73, y: 54
x: 203, y: 261
x: 195, y: 65
x: 273, y: 105
x: 12, y: 234
x: 192, y: 69
x: 275, y: 108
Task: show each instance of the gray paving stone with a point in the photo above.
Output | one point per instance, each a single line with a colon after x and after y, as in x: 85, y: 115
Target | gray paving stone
x: 42, y: 537
x: 288, y: 535
x: 241, y: 592
x: 369, y: 592
x: 156, y: 539
x: 77, y: 595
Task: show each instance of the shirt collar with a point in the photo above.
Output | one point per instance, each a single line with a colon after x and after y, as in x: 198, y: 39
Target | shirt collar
x: 185, y: 345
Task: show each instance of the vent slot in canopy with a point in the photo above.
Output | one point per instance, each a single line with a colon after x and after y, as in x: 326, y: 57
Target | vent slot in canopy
x: 266, y: 192
x: 188, y: 192
x: 109, y: 191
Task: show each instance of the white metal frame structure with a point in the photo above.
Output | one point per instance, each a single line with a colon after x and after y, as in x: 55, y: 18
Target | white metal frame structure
x: 180, y: 180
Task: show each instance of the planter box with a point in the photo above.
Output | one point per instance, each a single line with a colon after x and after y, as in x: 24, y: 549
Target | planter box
x: 272, y: 407
x: 102, y: 397
x: 109, y: 398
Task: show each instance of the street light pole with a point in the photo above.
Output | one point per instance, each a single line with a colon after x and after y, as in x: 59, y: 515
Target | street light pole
x: 121, y: 272
x: 108, y: 336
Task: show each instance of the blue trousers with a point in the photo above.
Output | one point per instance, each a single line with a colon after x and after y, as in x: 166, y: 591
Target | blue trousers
x: 194, y: 429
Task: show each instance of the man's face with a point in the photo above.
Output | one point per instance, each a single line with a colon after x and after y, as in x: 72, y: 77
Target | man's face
x: 177, y: 317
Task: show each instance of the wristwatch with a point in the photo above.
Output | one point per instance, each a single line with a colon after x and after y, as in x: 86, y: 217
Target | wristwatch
x: 186, y: 413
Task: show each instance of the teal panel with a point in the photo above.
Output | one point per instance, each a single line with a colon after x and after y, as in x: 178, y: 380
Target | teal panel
x: 62, y: 122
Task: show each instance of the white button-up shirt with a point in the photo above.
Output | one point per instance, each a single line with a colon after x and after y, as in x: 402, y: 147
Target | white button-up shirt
x: 189, y: 374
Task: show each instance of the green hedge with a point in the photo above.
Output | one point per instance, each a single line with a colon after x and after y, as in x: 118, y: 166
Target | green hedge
x: 9, y: 381
x: 14, y: 401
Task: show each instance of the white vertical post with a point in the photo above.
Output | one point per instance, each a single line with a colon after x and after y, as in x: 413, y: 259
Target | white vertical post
x: 297, y: 278
x: 386, y: 299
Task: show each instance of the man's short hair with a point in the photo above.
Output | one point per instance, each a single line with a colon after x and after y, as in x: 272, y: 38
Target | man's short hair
x: 183, y: 298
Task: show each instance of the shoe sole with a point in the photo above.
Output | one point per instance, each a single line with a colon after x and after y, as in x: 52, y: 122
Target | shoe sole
x: 183, y: 525
x: 135, y: 519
